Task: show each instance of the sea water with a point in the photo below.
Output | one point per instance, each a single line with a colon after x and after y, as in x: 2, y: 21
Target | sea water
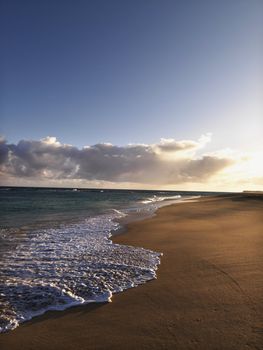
x: 56, y: 251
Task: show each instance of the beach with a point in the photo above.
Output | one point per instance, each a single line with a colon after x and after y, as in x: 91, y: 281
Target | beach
x: 208, y: 293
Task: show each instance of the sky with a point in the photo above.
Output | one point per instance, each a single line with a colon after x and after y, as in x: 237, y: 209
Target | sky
x: 104, y: 93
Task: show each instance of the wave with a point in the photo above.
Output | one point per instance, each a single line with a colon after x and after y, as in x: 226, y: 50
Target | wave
x: 54, y: 269
x: 155, y: 199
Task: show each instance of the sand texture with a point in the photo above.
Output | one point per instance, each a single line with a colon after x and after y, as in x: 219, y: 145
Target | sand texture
x: 208, y: 295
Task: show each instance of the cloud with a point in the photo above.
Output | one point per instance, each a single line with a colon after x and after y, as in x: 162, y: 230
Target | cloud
x: 164, y: 163
x: 171, y: 145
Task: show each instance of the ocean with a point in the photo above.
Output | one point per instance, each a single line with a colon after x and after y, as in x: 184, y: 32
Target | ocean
x: 56, y: 251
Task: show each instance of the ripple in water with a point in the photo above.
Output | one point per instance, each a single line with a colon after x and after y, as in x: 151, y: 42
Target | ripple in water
x: 57, y: 268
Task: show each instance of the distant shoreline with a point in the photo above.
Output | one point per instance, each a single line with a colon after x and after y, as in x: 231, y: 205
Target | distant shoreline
x: 114, y: 189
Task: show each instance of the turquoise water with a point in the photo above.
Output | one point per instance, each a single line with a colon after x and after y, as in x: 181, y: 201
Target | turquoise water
x: 56, y: 251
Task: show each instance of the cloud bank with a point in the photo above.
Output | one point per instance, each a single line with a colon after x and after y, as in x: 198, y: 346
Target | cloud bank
x: 168, y: 162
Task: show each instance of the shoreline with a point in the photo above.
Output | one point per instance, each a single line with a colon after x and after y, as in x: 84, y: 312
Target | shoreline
x: 208, y: 294
x: 131, y: 218
x: 124, y: 217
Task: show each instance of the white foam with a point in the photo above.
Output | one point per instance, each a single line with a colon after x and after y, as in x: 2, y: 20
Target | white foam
x: 155, y: 199
x: 55, y: 269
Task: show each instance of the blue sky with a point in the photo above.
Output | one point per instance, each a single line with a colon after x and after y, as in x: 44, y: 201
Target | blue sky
x: 124, y: 72
x: 129, y: 71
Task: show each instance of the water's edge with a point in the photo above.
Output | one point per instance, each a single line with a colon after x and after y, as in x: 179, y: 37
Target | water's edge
x: 120, y: 224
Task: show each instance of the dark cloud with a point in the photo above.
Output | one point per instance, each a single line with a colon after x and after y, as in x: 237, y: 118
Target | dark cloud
x: 168, y: 162
x: 3, y: 151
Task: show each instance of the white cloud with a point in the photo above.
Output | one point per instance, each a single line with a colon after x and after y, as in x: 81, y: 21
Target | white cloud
x: 49, y: 140
x: 167, y: 163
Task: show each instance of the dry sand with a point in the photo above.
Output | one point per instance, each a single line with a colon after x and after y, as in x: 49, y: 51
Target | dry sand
x: 208, y: 295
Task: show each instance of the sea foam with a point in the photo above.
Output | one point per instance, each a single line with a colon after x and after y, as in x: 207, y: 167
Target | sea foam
x: 156, y: 199
x: 53, y: 269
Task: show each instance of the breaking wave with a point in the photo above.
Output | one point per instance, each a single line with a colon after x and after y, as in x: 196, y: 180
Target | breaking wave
x: 53, y: 269
x: 155, y: 199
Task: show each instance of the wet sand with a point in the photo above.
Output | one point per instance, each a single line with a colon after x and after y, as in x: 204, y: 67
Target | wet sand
x: 208, y: 295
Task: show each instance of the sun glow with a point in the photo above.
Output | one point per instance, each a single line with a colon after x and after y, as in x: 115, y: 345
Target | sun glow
x: 247, y: 172
x: 255, y: 164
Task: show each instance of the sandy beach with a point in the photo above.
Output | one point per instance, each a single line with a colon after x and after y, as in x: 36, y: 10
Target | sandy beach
x: 208, y: 294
